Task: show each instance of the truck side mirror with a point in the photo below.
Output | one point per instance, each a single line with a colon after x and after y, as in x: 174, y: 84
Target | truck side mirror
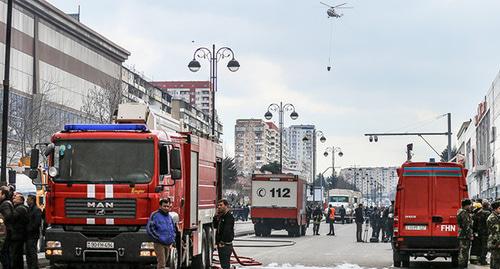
x: 49, y: 149
x: 175, y: 163
x: 35, y: 153
x: 163, y: 160
x: 12, y: 177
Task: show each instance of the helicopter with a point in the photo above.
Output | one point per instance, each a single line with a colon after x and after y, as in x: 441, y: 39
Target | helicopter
x: 331, y: 11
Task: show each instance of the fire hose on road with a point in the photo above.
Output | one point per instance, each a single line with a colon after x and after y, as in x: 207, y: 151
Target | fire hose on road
x: 247, y: 261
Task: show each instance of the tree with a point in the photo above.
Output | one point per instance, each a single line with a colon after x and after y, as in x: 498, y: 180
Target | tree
x: 229, y: 172
x: 33, y: 119
x: 444, y: 154
x: 273, y: 167
x: 100, y: 104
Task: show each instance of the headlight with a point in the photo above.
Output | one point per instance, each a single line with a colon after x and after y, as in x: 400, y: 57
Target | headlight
x: 147, y: 245
x: 53, y: 244
x: 53, y: 171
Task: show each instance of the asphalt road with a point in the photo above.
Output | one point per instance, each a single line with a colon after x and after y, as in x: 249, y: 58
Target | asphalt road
x: 317, y: 251
x: 328, y: 251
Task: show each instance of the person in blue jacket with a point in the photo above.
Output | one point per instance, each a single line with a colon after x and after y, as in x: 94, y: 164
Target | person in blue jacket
x: 161, y: 229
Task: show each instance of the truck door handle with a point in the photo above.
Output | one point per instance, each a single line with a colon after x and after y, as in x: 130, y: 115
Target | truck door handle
x: 437, y: 219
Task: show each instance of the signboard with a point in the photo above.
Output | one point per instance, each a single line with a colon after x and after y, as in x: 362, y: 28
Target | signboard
x: 318, y: 194
x: 274, y: 194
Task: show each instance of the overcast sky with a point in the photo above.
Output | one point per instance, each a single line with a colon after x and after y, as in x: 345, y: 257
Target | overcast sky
x: 396, y: 65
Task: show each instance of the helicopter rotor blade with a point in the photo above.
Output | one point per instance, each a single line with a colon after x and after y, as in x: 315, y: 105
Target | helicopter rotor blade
x: 339, y: 5
x: 326, y: 4
x: 345, y: 7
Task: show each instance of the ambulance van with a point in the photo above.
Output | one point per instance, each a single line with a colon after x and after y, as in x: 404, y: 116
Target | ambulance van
x: 428, y: 197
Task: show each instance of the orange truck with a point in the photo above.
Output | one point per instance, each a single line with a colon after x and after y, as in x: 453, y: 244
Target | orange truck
x: 278, y: 203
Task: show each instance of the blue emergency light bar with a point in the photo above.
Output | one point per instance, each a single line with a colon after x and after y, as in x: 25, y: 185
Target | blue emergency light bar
x: 105, y: 127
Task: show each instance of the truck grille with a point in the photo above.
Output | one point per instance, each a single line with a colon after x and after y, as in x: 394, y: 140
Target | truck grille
x: 93, y: 208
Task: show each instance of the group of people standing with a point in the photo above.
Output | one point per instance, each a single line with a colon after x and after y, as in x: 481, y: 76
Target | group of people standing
x: 478, y: 233
x: 381, y: 220
x: 163, y: 231
x: 20, y: 228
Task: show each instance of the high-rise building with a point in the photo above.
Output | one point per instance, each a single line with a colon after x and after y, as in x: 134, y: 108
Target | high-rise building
x: 196, y: 93
x: 377, y: 184
x: 301, y: 152
x: 256, y: 144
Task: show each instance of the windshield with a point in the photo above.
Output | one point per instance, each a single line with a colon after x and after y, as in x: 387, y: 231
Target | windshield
x: 339, y: 199
x: 104, y: 161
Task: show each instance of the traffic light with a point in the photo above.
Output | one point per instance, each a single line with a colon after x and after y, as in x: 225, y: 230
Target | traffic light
x: 311, y: 190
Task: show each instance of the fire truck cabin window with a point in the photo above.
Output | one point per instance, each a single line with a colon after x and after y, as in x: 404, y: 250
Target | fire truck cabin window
x: 105, y: 161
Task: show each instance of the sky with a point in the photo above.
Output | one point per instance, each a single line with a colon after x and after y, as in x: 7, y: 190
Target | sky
x: 397, y: 66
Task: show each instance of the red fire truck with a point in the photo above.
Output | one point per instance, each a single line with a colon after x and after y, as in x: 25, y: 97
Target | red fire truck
x: 279, y: 203
x: 106, y: 179
x: 428, y: 197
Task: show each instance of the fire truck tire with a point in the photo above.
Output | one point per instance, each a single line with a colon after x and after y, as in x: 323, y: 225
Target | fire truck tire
x: 396, y: 258
x: 203, y: 254
x: 405, y: 260
x: 266, y: 230
x: 257, y: 229
x: 454, y: 260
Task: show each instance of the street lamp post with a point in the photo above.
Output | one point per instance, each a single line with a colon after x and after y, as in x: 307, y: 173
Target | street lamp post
x: 322, y: 139
x: 333, y: 150
x: 281, y: 110
x: 213, y: 57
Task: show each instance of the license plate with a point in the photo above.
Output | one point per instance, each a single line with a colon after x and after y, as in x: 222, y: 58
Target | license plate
x: 416, y: 227
x: 93, y: 244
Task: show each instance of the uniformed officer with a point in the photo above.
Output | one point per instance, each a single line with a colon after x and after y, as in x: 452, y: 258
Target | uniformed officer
x: 465, y: 234
x: 494, y: 235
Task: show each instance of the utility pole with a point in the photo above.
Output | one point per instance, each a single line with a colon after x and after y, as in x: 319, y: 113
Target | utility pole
x: 6, y: 87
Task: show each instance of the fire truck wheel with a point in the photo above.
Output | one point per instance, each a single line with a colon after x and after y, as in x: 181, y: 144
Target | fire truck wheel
x: 454, y: 260
x: 405, y: 260
x: 396, y: 258
x: 204, y: 251
x: 266, y: 230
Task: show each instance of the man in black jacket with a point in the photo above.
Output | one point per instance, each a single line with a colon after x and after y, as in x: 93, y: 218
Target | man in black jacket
x: 33, y: 232
x: 358, y: 215
x: 7, y: 212
x: 18, y: 237
x: 224, y: 235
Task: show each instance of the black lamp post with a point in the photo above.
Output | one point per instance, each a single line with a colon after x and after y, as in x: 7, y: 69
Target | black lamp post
x: 333, y: 150
x: 213, y: 57
x: 281, y: 110
x: 6, y: 88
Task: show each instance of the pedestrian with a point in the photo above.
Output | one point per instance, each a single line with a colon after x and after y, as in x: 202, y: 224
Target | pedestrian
x: 383, y: 223
x: 342, y: 213
x: 162, y: 229
x: 493, y: 223
x: 483, y: 232
x: 465, y: 234
x: 6, y: 226
x: 375, y: 223
x: 224, y: 224
x: 308, y: 214
x: 390, y: 222
x: 246, y: 210
x: 33, y: 232
x: 331, y: 219
x: 19, y: 231
x: 317, y: 216
x: 358, y: 215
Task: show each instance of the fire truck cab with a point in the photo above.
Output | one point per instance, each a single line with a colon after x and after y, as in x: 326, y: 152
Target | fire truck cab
x: 105, y: 180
